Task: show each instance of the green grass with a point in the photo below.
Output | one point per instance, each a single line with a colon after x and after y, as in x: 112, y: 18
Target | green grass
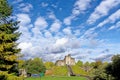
x: 56, y: 78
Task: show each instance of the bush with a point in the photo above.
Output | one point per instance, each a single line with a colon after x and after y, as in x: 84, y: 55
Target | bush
x: 6, y: 76
x: 60, y: 70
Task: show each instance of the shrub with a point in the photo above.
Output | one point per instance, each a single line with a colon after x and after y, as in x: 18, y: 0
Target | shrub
x: 6, y: 76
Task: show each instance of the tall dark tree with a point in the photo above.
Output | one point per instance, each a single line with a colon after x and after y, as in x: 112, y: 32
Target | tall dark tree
x: 8, y: 38
x: 113, y: 68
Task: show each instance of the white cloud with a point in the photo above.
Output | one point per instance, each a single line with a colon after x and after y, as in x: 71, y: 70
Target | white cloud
x: 52, y: 16
x: 80, y: 6
x: 17, y: 1
x: 67, y: 31
x: 24, y: 26
x: 25, y: 45
x: 74, y: 43
x: 41, y: 23
x: 37, y: 32
x: 67, y: 21
x: 111, y: 19
x: 39, y: 41
x: 54, y: 6
x: 44, y: 4
x: 117, y: 25
x: 102, y: 10
x: 25, y: 7
x: 23, y: 18
x: 77, y: 32
x: 61, y: 42
x: 26, y: 35
x: 103, y: 57
x: 55, y: 27
x: 90, y: 33
x: 47, y: 34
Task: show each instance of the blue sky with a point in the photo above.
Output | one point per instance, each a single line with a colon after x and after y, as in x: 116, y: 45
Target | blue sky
x: 89, y: 30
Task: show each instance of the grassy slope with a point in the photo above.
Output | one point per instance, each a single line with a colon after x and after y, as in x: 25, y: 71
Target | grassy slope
x: 56, y: 78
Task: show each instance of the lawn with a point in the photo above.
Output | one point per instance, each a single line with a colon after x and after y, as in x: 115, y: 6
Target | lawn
x: 56, y: 78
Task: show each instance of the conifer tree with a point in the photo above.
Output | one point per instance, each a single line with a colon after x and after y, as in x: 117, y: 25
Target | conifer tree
x: 8, y: 38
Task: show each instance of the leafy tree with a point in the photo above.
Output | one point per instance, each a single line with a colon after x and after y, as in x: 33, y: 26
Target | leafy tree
x: 113, y: 68
x: 49, y: 65
x: 34, y: 66
x: 86, y: 66
x: 8, y: 38
x: 97, y: 64
x: 98, y: 73
x: 79, y: 63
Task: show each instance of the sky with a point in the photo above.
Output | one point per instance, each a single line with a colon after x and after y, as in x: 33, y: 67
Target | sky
x: 89, y: 30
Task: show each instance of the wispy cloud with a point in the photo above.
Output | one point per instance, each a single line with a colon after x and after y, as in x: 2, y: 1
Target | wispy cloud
x: 67, y: 31
x: 52, y: 35
x: 80, y: 6
x: 102, y: 10
x: 111, y: 19
x: 56, y: 25
x: 43, y: 4
x: 117, y: 25
x: 103, y: 57
x: 25, y: 7
x: 67, y: 21
x: 17, y: 1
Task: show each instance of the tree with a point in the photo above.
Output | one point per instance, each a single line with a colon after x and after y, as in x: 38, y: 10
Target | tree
x: 113, y: 68
x: 49, y: 65
x: 98, y: 72
x: 34, y: 66
x: 79, y: 63
x: 97, y: 64
x: 86, y: 66
x: 8, y: 38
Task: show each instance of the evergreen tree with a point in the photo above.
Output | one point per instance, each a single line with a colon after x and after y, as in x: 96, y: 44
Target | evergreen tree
x: 8, y: 38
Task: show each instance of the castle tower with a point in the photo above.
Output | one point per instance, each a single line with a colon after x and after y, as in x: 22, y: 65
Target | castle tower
x: 68, y: 60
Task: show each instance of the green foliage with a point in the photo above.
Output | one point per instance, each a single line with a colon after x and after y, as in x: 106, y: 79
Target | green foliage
x: 78, y: 70
x: 56, y: 78
x: 79, y: 63
x: 97, y: 64
x: 99, y: 73
x: 113, y: 68
x: 86, y: 66
x: 5, y: 76
x: 60, y: 70
x: 49, y: 65
x: 8, y: 45
x: 20, y: 64
x: 34, y: 66
x: 5, y: 9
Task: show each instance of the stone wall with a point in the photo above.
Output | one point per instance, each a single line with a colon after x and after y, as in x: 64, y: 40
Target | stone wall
x: 68, y: 60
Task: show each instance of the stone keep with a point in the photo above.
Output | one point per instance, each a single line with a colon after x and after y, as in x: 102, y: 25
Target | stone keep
x: 68, y: 60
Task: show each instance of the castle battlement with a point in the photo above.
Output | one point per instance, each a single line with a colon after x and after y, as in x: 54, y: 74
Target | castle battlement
x: 68, y: 60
